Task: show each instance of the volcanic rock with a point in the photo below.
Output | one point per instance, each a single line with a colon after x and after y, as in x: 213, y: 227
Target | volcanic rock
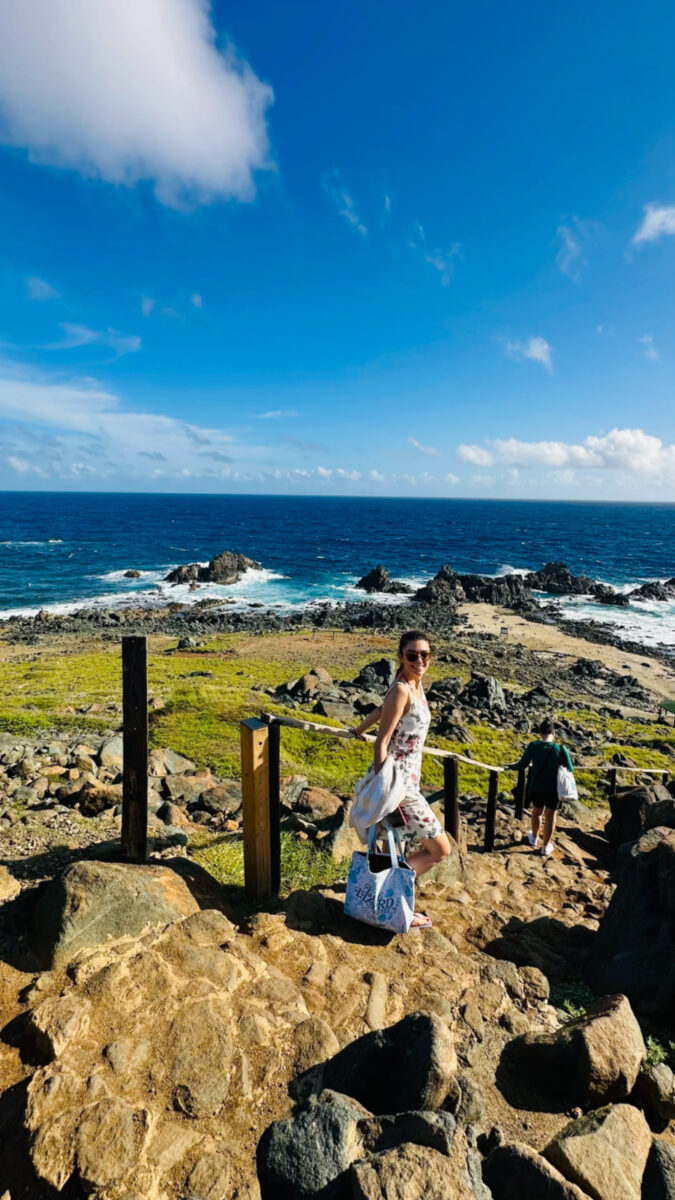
x: 408, y: 1066
x: 225, y: 568
x: 379, y: 580
x: 634, y: 948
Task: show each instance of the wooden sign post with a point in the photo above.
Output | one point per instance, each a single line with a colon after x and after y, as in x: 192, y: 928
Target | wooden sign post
x: 135, y: 749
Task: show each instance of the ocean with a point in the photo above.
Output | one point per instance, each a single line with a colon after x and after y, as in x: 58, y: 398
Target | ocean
x: 65, y: 551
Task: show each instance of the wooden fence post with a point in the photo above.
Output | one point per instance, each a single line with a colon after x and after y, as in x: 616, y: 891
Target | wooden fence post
x: 611, y: 779
x: 664, y: 778
x: 274, y: 770
x: 135, y: 749
x: 520, y: 795
x: 451, y: 797
x: 255, y: 794
x: 491, y: 811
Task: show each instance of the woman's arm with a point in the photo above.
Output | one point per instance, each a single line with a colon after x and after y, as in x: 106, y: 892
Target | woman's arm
x: 372, y: 719
x: 522, y: 762
x: 393, y: 709
x: 568, y: 760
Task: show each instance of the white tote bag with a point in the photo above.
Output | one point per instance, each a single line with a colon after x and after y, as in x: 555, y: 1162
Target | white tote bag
x: 384, y: 898
x: 567, y: 784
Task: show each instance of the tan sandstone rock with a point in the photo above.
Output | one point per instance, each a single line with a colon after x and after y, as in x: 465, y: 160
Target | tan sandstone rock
x: 604, y: 1152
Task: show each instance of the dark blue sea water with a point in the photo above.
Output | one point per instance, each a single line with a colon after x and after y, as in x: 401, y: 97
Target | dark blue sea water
x: 63, y: 550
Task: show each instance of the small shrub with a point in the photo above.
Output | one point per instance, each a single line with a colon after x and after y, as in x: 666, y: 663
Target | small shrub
x: 657, y: 1051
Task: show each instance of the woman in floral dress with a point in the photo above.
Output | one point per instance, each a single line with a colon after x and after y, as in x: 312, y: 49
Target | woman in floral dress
x: 403, y: 724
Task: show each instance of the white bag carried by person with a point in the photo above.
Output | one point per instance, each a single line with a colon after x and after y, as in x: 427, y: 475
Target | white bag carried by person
x: 567, y: 784
x: 376, y: 796
x: 385, y: 897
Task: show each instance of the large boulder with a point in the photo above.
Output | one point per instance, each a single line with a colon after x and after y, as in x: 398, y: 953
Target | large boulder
x: 634, y: 948
x: 604, y: 1153
x: 379, y: 580
x: 661, y: 592
x: 95, y: 902
x: 309, y: 1154
x: 111, y: 752
x: 408, y: 1066
x: 658, y: 1182
x: 591, y: 1060
x: 516, y: 1172
x: 225, y: 568
x: 444, y: 589
x: 483, y: 691
x: 655, y: 1089
x: 629, y: 807
x: 411, y: 1172
x: 377, y: 676
x: 510, y: 591
x: 557, y: 579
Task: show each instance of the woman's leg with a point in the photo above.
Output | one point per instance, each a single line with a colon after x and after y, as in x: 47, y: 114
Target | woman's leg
x: 433, y: 851
x: 536, y: 822
x: 549, y: 825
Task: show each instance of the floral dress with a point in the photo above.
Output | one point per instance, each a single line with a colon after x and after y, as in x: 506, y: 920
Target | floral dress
x: 406, y: 745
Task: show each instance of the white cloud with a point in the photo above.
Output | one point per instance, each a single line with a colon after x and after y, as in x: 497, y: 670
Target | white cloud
x: 324, y: 472
x: 147, y: 305
x: 197, y: 300
x: 537, y: 349
x: 81, y: 335
x: 61, y: 421
x: 450, y: 478
x: 483, y: 480
x: 377, y: 476
x: 476, y: 455
x: 620, y: 449
x: 430, y: 451
x: 22, y: 466
x: 133, y: 90
x: 275, y: 414
x: 441, y: 261
x: 39, y: 289
x: 650, y: 350
x: 570, y: 257
x: 344, y: 202
x: 657, y: 221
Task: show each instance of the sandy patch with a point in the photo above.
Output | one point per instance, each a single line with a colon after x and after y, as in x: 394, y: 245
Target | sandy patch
x: 546, y: 639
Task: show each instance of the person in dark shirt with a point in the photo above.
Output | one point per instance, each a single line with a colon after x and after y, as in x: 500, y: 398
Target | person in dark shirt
x: 544, y: 757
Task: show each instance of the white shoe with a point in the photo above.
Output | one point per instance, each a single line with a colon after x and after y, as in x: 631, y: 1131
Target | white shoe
x: 546, y: 850
x: 531, y: 838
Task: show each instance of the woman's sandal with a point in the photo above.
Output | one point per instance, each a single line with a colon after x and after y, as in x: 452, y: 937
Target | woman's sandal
x: 420, y: 921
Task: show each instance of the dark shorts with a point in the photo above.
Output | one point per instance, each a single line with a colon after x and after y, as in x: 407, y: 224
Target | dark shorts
x: 545, y: 800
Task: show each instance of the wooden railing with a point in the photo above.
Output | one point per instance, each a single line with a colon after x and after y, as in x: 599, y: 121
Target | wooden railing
x: 260, y: 770
x: 261, y: 753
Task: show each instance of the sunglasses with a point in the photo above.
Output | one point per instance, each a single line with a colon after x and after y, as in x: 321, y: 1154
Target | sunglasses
x: 413, y: 655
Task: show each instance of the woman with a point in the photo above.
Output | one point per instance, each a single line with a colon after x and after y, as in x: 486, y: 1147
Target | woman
x: 404, y: 721
x: 544, y: 756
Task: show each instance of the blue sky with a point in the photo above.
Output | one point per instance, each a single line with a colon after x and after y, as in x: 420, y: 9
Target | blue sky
x: 358, y: 249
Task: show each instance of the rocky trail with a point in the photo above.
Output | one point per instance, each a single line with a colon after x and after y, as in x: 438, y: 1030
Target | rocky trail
x: 163, y: 1039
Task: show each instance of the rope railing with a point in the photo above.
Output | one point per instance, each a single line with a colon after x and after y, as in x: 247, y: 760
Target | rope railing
x: 434, y: 751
